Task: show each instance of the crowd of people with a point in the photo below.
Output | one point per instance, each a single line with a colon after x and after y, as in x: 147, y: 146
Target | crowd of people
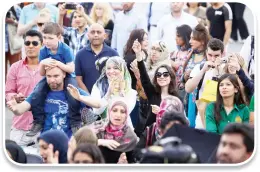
x: 129, y: 83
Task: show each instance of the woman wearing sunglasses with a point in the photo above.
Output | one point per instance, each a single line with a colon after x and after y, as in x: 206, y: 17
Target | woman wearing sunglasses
x: 164, y: 83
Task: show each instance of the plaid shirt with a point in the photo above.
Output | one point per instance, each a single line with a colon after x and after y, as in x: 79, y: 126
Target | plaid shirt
x: 76, y: 40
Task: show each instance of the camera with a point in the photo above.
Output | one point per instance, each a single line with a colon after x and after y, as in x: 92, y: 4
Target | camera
x: 70, y: 6
x: 169, y: 150
x: 224, y: 60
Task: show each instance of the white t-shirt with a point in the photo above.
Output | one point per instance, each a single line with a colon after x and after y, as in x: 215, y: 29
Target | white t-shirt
x: 167, y: 28
x: 208, y: 76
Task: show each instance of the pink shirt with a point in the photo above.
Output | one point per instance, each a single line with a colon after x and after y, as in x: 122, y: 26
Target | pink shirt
x: 21, y: 79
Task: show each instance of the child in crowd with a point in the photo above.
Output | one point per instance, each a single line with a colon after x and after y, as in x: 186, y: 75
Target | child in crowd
x: 54, y: 53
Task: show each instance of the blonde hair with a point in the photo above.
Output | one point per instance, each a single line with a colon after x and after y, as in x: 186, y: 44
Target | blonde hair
x: 85, y: 135
x: 45, y: 12
x: 107, y: 12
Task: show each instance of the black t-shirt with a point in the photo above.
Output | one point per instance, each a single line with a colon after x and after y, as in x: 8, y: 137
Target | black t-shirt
x: 217, y: 18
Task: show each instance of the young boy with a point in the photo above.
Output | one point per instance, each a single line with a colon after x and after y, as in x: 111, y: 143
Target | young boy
x: 54, y: 53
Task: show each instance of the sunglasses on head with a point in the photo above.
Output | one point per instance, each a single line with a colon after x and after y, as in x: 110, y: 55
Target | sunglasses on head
x: 40, y: 24
x: 28, y: 43
x: 157, y: 49
x: 164, y: 74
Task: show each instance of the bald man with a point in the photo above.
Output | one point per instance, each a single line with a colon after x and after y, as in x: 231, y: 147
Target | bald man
x: 85, y: 68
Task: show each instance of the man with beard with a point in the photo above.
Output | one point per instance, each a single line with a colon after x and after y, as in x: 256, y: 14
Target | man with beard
x: 85, y: 68
x: 22, y: 77
x: 236, y: 143
x: 56, y: 104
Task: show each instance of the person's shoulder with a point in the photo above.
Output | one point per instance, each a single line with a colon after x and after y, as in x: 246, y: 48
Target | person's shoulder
x: 43, y: 48
x: 165, y: 18
x: 210, y: 9
x: 28, y: 7
x: 52, y: 7
x: 211, y: 105
x: 202, y: 9
x: 189, y: 16
x: 243, y: 107
x: 226, y: 8
x: 83, y: 51
x: 64, y: 46
x: 109, y: 49
x: 16, y: 65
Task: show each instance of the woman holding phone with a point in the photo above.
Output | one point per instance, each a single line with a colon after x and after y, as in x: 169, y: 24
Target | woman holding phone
x: 164, y: 83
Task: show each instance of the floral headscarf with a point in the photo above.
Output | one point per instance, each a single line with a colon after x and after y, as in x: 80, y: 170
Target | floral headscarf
x: 167, y: 104
x: 103, y: 83
x: 122, y: 134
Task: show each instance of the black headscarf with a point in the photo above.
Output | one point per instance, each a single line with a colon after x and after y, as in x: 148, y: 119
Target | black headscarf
x: 17, y: 153
x: 59, y: 140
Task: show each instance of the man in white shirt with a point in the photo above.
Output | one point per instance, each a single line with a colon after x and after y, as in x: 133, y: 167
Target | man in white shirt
x: 167, y: 25
x: 156, y: 10
x: 126, y: 21
x: 210, y: 70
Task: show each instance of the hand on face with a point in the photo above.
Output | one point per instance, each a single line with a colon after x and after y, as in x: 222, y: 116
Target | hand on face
x: 208, y: 65
x: 52, y: 158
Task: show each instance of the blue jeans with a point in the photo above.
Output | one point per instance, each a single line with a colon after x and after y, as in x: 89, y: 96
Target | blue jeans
x: 39, y: 96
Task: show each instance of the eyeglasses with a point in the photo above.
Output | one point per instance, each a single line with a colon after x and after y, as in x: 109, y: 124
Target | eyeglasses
x: 28, y: 43
x: 40, y: 24
x: 157, y: 49
x: 164, y: 74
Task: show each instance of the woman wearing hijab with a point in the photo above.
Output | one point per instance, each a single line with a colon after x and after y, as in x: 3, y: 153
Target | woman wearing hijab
x: 115, y: 80
x: 117, y: 137
x: 53, y: 146
x: 153, y: 132
x: 15, y: 152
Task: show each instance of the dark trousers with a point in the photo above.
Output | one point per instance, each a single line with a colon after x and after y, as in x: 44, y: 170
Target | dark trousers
x: 238, y: 22
x: 39, y: 96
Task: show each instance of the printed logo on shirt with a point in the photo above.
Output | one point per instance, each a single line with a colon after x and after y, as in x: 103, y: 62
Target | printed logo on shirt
x: 238, y: 119
x: 59, y: 119
x: 218, y: 13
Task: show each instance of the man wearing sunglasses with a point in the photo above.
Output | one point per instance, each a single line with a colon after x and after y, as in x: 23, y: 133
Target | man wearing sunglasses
x: 21, y: 79
x: 209, y: 71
